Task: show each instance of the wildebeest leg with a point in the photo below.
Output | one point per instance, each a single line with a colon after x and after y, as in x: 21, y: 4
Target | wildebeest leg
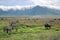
x: 46, y: 27
x: 49, y: 27
x: 7, y: 30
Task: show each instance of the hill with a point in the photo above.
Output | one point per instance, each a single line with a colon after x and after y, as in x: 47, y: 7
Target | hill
x: 33, y: 11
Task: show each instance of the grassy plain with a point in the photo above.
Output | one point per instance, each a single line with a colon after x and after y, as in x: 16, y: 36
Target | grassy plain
x: 36, y: 31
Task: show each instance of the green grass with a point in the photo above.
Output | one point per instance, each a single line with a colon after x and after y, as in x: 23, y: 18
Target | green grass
x: 35, y: 32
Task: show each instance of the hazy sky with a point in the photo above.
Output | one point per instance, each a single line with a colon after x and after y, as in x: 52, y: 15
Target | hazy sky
x: 48, y: 3
x: 30, y: 2
x: 16, y: 2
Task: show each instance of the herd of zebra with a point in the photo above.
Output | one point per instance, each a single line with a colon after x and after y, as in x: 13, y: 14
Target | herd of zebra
x: 11, y: 27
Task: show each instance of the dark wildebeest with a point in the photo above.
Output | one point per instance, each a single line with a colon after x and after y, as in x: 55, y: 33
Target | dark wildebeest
x: 28, y: 26
x: 59, y: 19
x: 47, y: 26
x: 1, y: 18
x: 9, y: 28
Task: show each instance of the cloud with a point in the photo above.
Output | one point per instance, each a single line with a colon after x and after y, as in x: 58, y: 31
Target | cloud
x: 14, y: 4
x: 47, y: 3
x: 15, y: 7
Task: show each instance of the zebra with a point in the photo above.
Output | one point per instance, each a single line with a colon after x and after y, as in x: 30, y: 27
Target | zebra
x: 9, y: 28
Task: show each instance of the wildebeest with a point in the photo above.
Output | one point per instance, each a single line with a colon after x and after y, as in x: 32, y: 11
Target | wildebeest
x: 28, y: 26
x: 52, y: 21
x: 9, y: 28
x: 1, y: 18
x: 55, y: 19
x: 47, y: 26
x: 59, y: 19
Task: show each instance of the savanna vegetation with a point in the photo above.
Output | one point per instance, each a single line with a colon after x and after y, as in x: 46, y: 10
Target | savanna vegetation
x: 31, y: 29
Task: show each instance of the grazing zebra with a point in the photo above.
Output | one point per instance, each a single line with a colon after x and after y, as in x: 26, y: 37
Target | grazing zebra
x: 14, y: 21
x: 9, y: 28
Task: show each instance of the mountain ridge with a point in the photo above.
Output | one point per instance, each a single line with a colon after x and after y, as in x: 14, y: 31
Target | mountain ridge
x: 37, y: 10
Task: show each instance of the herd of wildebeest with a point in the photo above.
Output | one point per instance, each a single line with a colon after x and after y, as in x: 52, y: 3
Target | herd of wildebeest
x: 12, y: 25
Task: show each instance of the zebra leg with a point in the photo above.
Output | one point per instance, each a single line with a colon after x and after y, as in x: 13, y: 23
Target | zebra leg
x: 10, y: 30
x: 16, y: 29
x: 4, y: 29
